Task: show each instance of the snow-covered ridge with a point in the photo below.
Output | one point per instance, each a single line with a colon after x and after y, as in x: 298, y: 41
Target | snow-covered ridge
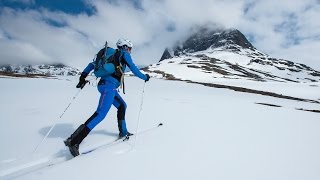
x: 210, y: 56
x: 44, y: 69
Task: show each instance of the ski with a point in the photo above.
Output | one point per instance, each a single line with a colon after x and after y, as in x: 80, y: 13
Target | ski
x: 89, y: 150
x: 118, y: 140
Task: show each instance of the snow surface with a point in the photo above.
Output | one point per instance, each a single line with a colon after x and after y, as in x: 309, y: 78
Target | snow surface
x: 208, y: 133
x: 177, y: 67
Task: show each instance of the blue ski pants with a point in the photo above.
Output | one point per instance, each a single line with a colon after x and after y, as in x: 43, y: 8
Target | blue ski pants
x: 109, y: 96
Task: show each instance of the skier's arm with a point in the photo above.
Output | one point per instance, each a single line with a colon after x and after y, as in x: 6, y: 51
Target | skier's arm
x: 88, y: 69
x: 133, y: 67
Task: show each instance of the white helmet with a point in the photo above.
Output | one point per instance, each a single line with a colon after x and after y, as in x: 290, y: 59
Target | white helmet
x: 124, y: 42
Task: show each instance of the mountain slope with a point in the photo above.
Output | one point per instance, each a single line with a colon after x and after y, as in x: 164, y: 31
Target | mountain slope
x: 208, y: 55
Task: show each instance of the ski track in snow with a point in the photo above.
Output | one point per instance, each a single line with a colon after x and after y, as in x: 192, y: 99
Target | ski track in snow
x: 32, y: 165
x: 29, y: 166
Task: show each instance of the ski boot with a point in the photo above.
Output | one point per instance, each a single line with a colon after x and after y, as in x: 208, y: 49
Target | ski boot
x: 76, y: 138
x: 74, y: 149
x: 124, y: 134
x: 125, y: 137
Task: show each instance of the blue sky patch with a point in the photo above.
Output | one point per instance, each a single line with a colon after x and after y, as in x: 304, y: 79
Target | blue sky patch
x: 251, y: 38
x: 171, y: 27
x: 289, y: 28
x: 67, y: 6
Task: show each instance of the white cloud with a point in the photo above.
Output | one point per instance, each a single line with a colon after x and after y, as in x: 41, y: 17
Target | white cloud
x: 279, y: 28
x: 22, y: 50
x: 30, y: 30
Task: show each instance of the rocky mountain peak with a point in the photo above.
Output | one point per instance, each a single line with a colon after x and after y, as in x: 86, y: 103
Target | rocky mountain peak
x: 212, y: 54
x: 205, y: 38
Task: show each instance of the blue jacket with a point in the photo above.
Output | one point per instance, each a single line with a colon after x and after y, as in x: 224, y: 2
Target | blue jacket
x: 128, y: 61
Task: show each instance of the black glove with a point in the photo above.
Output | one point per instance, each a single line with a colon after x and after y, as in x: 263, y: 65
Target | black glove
x: 82, y: 80
x: 148, y: 77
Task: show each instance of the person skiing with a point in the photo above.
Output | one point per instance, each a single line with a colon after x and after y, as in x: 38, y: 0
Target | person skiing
x: 107, y: 87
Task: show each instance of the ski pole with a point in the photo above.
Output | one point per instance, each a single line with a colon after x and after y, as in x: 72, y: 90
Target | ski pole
x: 138, y: 123
x: 46, y: 136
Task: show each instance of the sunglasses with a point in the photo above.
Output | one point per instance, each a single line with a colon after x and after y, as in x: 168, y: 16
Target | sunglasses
x: 129, y: 49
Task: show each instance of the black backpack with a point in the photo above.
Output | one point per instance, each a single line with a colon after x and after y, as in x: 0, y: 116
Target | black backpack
x: 108, y: 61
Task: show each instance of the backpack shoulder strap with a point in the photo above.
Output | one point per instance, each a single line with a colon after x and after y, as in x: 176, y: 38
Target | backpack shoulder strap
x: 118, y: 57
x: 119, y: 62
x: 121, y: 59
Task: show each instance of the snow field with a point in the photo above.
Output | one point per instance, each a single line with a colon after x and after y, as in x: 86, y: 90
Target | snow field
x: 208, y: 133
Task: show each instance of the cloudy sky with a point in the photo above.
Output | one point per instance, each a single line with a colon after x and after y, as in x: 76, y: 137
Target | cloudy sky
x: 71, y: 31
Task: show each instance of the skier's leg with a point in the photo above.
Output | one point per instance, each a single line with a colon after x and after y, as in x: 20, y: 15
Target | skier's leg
x: 120, y: 104
x: 105, y: 102
x: 79, y: 134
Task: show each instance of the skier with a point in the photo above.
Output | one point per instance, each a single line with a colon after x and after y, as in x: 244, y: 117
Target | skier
x: 109, y: 96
